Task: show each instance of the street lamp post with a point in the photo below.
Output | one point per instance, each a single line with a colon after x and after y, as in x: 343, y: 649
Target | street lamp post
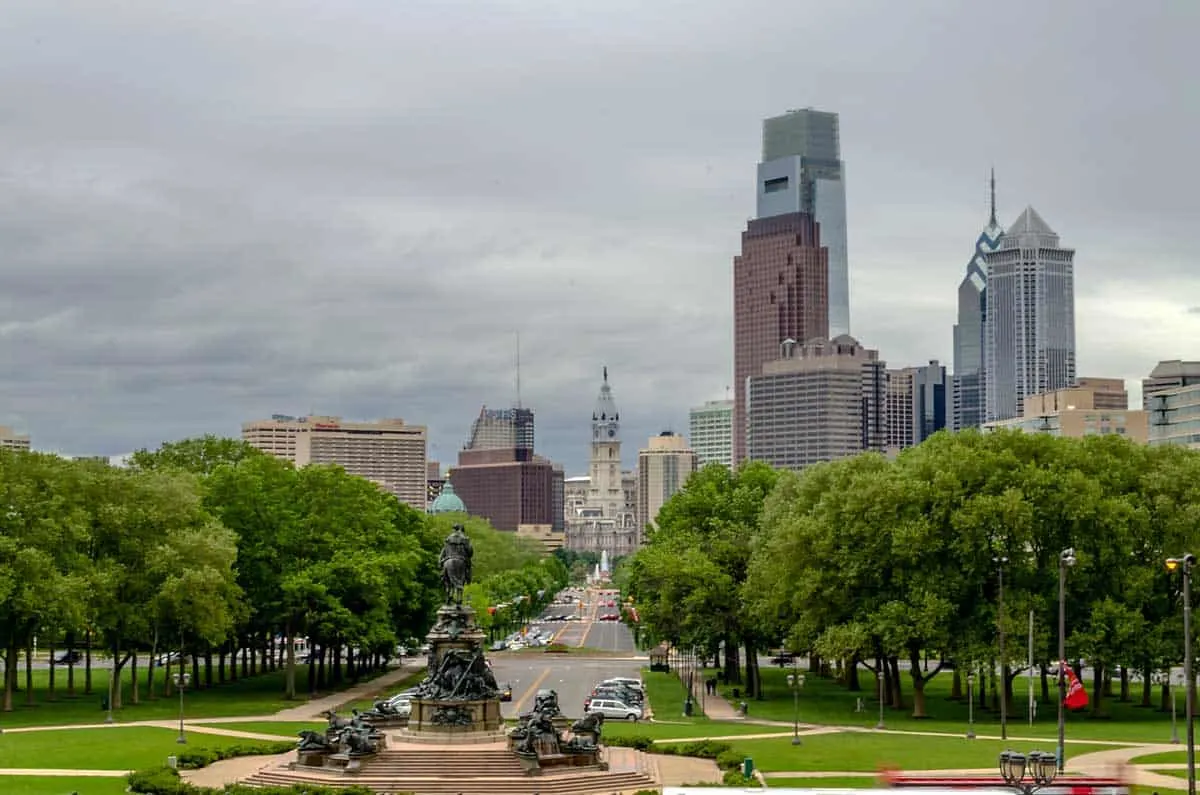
x: 1003, y: 667
x: 1185, y: 564
x: 970, y: 705
x: 879, y: 687
x: 181, y: 680
x: 1066, y: 559
x: 1027, y: 774
x: 795, y: 681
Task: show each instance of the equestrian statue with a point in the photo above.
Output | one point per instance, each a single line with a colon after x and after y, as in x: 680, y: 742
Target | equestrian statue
x: 456, y: 565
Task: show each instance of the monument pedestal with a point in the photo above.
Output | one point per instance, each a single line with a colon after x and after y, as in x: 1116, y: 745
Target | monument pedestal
x: 454, y: 717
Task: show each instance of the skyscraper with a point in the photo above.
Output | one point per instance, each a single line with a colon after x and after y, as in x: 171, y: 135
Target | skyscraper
x: 780, y: 291
x: 917, y: 404
x: 664, y: 466
x: 710, y: 430
x: 969, y: 368
x: 802, y: 172
x: 1029, y: 328
x: 503, y: 429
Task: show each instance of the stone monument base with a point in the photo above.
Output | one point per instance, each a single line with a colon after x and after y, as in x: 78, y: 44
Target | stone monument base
x: 429, y: 716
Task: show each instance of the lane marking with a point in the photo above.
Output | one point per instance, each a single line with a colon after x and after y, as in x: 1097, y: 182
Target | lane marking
x: 533, y: 688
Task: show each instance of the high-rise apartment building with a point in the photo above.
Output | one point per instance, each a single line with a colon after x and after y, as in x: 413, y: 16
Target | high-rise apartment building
x: 969, y: 368
x: 1174, y: 416
x: 710, y: 429
x: 918, y: 404
x: 664, y: 466
x: 11, y: 440
x: 817, y: 402
x: 780, y: 292
x: 388, y: 452
x: 802, y: 172
x: 1029, y: 331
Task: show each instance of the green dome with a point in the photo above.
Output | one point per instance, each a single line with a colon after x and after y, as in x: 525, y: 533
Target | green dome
x: 448, y: 501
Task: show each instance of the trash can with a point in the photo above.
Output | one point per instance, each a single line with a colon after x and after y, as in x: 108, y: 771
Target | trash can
x: 747, y: 767
x: 173, y: 762
x: 687, y: 708
x: 744, y: 707
x: 737, y: 692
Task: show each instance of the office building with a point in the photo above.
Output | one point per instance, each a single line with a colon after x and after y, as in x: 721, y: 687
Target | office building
x: 1095, y: 406
x: 503, y: 429
x: 433, y: 480
x: 1174, y: 416
x: 802, y: 172
x: 1167, y: 375
x: 710, y: 429
x: 11, y: 440
x: 664, y: 466
x: 969, y: 369
x: 388, y: 452
x: 918, y: 404
x: 509, y: 492
x: 780, y: 292
x: 1029, y: 330
x: 817, y: 402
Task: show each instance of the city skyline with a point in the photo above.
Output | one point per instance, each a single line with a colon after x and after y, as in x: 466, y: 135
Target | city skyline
x: 214, y: 228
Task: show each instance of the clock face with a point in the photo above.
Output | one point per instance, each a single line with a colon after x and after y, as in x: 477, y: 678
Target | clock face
x: 611, y: 433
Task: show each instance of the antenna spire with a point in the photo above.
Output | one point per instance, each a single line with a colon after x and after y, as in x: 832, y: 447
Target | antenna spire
x: 993, y: 219
x: 606, y: 373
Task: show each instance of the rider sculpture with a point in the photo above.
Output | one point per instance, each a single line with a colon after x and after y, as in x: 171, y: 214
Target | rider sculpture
x: 456, y: 564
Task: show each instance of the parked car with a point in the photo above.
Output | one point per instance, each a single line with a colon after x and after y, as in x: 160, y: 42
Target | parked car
x: 401, y: 703
x: 68, y: 658
x: 625, y: 681
x: 612, y: 708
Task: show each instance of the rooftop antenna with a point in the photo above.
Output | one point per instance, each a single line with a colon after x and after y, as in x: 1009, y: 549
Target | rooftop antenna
x: 518, y: 369
x: 993, y: 219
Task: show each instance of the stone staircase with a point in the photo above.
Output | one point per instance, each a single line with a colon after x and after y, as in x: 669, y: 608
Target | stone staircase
x: 462, y: 770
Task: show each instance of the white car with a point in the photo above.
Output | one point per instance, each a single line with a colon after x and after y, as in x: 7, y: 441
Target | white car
x: 611, y: 708
x: 632, y: 684
x: 401, y: 703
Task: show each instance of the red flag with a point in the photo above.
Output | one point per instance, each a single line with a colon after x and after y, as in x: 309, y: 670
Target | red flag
x: 1077, y: 697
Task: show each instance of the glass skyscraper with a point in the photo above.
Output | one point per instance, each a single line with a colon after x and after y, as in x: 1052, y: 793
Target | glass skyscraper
x: 1029, y: 329
x: 802, y: 172
x: 969, y: 367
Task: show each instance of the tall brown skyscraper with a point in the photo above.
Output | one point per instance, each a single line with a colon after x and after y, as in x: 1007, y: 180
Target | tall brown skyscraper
x: 780, y: 292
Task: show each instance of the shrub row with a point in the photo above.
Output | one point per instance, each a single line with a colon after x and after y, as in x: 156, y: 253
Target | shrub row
x: 203, y: 757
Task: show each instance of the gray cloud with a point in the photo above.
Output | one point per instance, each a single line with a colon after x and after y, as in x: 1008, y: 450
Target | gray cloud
x: 212, y: 212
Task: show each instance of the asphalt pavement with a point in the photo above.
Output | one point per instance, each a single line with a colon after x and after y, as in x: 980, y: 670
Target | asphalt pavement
x: 572, y: 677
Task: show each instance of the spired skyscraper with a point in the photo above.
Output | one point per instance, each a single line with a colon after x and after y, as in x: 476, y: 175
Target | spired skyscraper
x: 969, y: 366
x: 802, y: 172
x: 1029, y: 329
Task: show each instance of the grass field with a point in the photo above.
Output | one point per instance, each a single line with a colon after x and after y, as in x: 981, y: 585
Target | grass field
x: 666, y: 695
x: 116, y: 748
x: 846, y: 782
x: 694, y: 730
x: 1167, y: 757
x: 867, y: 753
x: 826, y: 702
x: 61, y: 785
x: 262, y: 694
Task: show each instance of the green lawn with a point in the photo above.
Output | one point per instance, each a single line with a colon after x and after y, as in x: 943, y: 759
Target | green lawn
x: 694, y: 730
x: 862, y: 752
x: 117, y: 748
x: 262, y: 694
x: 666, y: 695
x: 1167, y: 757
x: 61, y: 785
x: 826, y: 702
x: 847, y: 782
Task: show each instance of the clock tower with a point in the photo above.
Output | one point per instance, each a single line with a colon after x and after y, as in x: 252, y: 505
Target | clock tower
x: 605, y: 489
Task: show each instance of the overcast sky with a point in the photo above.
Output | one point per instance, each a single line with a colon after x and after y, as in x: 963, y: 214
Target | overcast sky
x: 215, y: 211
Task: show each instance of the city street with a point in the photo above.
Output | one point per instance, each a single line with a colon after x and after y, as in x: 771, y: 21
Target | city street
x: 573, y: 678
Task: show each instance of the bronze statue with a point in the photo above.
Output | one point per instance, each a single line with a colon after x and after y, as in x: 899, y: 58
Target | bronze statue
x: 312, y: 741
x: 455, y: 561
x: 461, y: 676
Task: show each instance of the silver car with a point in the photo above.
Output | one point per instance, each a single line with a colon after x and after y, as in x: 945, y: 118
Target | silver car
x: 611, y: 708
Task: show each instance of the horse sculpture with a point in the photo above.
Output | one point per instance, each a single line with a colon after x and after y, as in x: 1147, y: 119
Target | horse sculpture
x: 455, y: 561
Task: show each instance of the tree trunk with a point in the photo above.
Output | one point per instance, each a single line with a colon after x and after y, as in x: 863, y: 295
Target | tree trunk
x: 195, y: 670
x: 29, y: 674
x: 87, y: 665
x: 252, y: 651
x: 51, y: 697
x: 1146, y: 687
x: 134, y: 695
x: 897, y: 689
x: 312, y: 669
x: 10, y: 674
x: 118, y: 665
x: 1045, y: 676
x: 956, y: 688
x: 981, y: 689
x: 208, y: 668
x: 1124, y: 683
x: 289, y: 681
x: 733, y: 668
x: 70, y: 665
x: 242, y: 644
x: 1098, y: 694
x: 852, y: 683
x: 335, y: 665
x: 221, y: 665
x: 151, y: 664
x: 753, y: 678
x: 1164, y: 698
x: 814, y: 663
